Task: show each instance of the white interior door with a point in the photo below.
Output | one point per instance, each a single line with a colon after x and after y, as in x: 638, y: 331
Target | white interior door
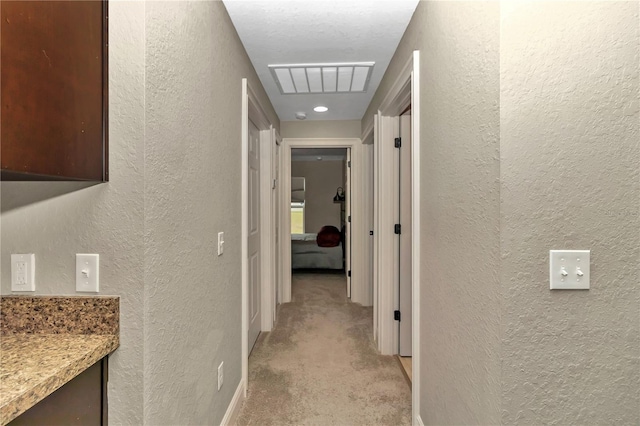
x: 347, y: 218
x: 254, y: 287
x: 405, y: 236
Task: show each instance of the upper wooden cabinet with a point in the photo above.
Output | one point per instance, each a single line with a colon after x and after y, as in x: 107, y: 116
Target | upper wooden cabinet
x: 54, y: 90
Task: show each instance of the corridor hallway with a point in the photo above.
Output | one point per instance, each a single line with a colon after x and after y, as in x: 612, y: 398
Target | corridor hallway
x: 319, y: 365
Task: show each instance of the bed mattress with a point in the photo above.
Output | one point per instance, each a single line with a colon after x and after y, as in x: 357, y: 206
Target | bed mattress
x: 305, y: 254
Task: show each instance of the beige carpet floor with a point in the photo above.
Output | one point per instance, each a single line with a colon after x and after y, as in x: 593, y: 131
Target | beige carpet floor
x: 319, y: 366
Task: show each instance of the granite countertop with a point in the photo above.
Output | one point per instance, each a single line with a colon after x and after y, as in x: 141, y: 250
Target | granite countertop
x: 47, y: 341
x: 32, y: 366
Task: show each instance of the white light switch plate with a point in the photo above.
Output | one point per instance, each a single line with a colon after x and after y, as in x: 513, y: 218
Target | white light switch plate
x: 87, y: 273
x: 220, y: 375
x: 220, y: 243
x: 569, y: 269
x: 23, y: 272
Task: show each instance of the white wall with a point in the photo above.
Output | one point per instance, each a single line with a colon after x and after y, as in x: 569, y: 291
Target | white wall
x: 322, y: 178
x: 321, y: 129
x: 175, y: 137
x: 530, y: 132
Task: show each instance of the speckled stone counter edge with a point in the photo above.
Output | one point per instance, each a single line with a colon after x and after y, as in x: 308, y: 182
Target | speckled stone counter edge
x: 71, y: 315
x: 21, y: 403
x: 60, y: 314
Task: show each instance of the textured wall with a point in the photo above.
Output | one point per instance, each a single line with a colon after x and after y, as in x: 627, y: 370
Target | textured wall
x: 460, y: 213
x: 105, y: 219
x: 321, y: 129
x: 460, y: 315
x: 175, y: 133
x: 570, y: 161
x: 322, y: 178
x: 195, y: 63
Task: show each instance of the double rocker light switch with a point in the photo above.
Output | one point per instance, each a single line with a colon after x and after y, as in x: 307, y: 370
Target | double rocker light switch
x: 569, y: 269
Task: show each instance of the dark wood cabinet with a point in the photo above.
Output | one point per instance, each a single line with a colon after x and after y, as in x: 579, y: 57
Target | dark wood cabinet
x: 54, y: 97
x: 81, y: 401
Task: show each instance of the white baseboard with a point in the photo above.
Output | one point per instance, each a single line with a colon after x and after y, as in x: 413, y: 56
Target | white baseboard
x: 419, y: 420
x: 234, y: 406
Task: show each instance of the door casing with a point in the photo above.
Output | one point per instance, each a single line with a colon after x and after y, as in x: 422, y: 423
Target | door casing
x: 405, y: 237
x: 276, y: 273
x: 404, y: 91
x: 347, y: 219
x: 360, y: 290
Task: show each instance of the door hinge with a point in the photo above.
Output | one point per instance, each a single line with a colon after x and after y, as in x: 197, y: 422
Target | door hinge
x: 396, y: 315
x: 349, y: 219
x: 348, y: 163
x: 370, y: 232
x: 397, y: 142
x: 349, y: 273
x: 397, y: 229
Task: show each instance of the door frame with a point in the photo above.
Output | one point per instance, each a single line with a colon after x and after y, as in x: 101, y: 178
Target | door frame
x: 348, y: 192
x: 252, y: 110
x: 371, y: 198
x: 359, y: 290
x: 403, y: 275
x: 404, y: 91
x: 276, y: 272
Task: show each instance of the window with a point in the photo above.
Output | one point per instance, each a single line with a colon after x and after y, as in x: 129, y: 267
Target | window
x: 297, y: 205
x: 297, y: 218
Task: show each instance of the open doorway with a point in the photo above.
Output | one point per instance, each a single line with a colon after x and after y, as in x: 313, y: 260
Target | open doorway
x: 330, y: 205
x: 319, y: 201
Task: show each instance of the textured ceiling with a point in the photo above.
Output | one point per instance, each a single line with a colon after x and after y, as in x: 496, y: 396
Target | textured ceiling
x: 318, y: 31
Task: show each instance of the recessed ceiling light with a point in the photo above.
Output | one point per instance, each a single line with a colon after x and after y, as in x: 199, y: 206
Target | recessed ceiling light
x: 321, y: 108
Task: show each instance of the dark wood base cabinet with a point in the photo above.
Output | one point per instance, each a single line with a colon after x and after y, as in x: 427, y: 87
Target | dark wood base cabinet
x: 82, y: 401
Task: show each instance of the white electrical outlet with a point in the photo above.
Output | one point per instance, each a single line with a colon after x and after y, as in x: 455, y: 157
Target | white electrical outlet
x: 220, y: 375
x: 87, y: 273
x: 23, y: 272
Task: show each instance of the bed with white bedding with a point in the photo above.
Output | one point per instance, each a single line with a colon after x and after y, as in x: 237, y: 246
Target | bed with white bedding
x: 306, y: 254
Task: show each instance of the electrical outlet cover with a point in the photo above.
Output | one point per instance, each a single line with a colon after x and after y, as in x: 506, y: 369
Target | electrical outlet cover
x: 23, y: 272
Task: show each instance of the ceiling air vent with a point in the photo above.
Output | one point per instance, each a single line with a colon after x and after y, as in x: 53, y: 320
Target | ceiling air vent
x: 322, y: 78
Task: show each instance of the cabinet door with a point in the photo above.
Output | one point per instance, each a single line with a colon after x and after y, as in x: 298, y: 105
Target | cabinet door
x: 54, y: 90
x: 81, y: 401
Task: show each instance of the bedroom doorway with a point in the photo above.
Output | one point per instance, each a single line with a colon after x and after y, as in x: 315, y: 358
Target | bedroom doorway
x: 307, y: 229
x: 320, y: 194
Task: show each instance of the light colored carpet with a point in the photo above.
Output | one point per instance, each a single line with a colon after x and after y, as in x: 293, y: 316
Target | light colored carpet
x: 319, y: 366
